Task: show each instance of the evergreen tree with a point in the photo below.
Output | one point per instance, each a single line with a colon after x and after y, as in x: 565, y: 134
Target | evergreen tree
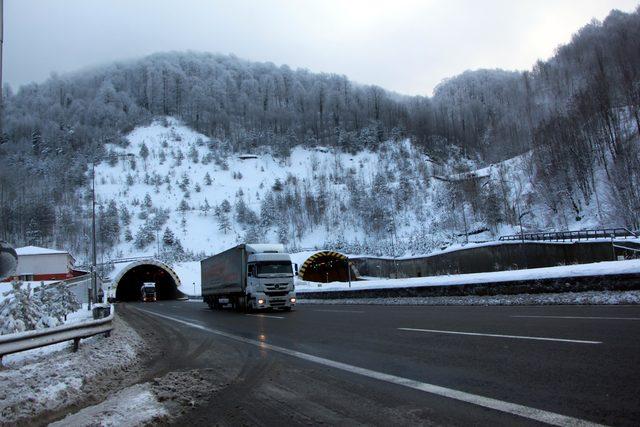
x: 193, y: 154
x: 184, y: 206
x: 168, y: 238
x: 223, y: 223
x: 144, y: 151
x: 33, y: 236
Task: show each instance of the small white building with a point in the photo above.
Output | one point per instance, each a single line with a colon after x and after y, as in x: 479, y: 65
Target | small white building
x: 35, y: 263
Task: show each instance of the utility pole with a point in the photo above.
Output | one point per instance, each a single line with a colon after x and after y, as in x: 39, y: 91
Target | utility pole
x: 94, y: 281
x: 1, y: 44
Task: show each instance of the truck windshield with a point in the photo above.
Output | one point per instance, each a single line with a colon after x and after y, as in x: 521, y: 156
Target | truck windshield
x: 274, y: 267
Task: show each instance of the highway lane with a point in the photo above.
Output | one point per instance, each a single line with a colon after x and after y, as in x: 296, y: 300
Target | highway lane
x: 575, y: 361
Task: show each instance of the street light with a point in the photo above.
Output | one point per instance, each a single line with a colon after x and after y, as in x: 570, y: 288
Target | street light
x: 94, y: 282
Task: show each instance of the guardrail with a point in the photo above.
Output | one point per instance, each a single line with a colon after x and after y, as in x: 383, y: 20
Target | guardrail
x: 562, y: 236
x: 14, y: 343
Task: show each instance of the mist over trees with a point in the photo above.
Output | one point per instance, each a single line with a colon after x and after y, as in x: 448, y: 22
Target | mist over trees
x: 577, y: 113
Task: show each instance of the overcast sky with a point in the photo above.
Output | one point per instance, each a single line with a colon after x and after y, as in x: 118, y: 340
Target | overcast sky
x: 403, y: 45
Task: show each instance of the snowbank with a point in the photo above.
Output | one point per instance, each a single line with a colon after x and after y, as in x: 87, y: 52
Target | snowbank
x: 133, y: 406
x: 578, y: 270
x: 33, y: 383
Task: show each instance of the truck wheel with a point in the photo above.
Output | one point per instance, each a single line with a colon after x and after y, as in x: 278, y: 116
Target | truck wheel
x: 216, y: 304
x: 242, y: 304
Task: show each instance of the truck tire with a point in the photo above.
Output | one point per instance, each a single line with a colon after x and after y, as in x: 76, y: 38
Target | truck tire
x: 216, y: 304
x: 242, y: 304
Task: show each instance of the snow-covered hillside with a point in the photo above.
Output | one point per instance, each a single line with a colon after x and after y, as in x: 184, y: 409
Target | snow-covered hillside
x: 189, y: 176
x: 186, y: 195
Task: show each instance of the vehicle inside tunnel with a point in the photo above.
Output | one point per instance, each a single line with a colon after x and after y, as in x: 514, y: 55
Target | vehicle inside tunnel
x: 130, y: 284
x: 327, y: 266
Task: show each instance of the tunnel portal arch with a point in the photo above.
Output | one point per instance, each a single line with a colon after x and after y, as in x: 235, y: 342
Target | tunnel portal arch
x: 129, y: 280
x: 327, y: 266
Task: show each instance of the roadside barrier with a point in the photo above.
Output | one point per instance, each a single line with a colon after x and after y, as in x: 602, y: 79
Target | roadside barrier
x: 21, y: 341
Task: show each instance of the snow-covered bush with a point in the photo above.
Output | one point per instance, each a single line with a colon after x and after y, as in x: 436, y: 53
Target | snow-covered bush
x: 24, y: 309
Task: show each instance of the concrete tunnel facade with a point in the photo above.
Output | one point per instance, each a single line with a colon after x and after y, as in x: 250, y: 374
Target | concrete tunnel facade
x: 327, y: 266
x: 128, y: 280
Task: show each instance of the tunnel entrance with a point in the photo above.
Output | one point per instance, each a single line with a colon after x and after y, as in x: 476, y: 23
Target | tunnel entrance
x: 130, y: 280
x: 327, y: 266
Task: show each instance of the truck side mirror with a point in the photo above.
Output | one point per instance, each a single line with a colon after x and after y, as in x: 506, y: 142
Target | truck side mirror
x: 295, y: 269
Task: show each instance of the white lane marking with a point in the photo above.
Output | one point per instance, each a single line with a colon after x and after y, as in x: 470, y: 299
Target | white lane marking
x: 518, y: 337
x: 265, y: 315
x: 580, y: 317
x: 486, y: 402
x: 340, y: 311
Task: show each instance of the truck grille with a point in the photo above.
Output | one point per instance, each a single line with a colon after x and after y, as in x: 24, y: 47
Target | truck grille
x: 277, y: 293
x: 276, y: 286
x: 277, y: 303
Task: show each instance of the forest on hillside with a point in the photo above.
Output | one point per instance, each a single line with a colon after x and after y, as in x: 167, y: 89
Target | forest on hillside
x: 577, y: 114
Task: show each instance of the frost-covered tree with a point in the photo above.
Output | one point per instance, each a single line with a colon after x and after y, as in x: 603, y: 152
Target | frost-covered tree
x: 184, y: 206
x: 144, y: 151
x: 224, y: 224
x: 21, y: 310
x: 144, y: 237
x: 168, y: 238
x: 193, y: 154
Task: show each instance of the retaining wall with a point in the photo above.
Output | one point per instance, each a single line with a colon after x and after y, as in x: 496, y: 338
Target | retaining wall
x: 504, y: 256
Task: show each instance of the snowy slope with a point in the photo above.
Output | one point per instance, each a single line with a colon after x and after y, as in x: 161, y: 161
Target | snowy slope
x: 338, y: 196
x: 258, y: 175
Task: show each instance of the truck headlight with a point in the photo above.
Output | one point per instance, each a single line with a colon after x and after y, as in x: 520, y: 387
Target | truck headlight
x: 293, y: 300
x: 260, y: 301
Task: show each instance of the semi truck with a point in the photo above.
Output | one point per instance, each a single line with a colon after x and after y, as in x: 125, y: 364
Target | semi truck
x: 148, y: 291
x: 250, y: 277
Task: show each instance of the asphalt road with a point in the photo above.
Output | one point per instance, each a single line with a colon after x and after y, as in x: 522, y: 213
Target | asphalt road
x: 409, y: 365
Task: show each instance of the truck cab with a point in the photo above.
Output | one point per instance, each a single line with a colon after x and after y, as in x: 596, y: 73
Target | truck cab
x: 148, y: 292
x: 270, y: 281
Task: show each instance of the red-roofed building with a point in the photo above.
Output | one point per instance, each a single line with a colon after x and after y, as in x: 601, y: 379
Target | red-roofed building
x: 35, y: 264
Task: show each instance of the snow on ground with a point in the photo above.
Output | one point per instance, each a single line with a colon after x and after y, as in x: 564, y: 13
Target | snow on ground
x: 189, y: 275
x: 30, y: 386
x: 133, y: 406
x: 566, y: 298
x: 577, y: 270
